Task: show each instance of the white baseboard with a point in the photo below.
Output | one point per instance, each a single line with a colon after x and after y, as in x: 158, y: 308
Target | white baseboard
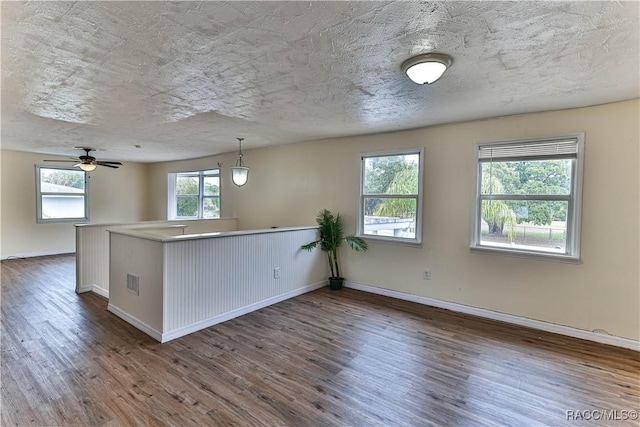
x: 86, y: 288
x: 96, y: 289
x: 153, y: 333
x: 503, y: 317
x: 101, y: 291
x: 37, y: 254
x: 194, y: 327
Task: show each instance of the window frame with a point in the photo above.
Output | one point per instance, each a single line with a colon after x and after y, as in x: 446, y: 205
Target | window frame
x: 574, y: 199
x: 40, y: 194
x: 417, y: 240
x: 172, y: 199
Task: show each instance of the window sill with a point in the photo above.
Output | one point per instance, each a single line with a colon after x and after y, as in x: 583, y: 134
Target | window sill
x: 541, y: 256
x: 391, y: 240
x: 62, y: 220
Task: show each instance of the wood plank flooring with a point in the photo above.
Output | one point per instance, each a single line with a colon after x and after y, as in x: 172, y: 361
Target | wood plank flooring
x: 325, y: 358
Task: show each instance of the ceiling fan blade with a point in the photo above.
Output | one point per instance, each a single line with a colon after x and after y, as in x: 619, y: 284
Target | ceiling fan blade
x: 88, y: 160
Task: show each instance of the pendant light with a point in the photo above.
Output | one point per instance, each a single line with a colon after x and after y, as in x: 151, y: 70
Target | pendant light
x: 239, y: 172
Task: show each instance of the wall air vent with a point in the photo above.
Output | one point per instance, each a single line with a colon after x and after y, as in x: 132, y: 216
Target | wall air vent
x: 133, y: 284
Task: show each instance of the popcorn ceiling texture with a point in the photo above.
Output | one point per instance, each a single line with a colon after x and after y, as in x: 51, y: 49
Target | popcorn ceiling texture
x: 183, y: 79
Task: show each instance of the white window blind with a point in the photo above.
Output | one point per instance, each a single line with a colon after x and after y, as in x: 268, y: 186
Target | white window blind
x: 566, y: 148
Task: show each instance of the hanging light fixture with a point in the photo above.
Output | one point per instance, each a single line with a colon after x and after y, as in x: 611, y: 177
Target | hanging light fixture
x: 426, y: 68
x: 87, y: 167
x: 239, y: 172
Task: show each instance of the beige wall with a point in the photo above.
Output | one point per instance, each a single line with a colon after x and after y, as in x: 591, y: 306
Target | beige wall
x: 115, y: 196
x: 288, y: 184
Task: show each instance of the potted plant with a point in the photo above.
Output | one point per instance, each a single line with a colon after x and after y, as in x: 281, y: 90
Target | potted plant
x: 331, y: 237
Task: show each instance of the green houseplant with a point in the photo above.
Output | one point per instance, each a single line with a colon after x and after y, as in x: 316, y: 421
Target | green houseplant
x: 331, y: 237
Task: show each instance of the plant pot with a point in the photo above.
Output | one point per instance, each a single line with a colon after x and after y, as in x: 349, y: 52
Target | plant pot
x: 335, y: 283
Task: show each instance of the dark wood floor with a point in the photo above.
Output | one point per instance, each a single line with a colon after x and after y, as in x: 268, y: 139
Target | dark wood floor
x: 343, y: 358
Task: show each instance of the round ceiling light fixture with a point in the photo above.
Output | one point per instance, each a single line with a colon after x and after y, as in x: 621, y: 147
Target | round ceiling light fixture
x: 426, y: 68
x: 87, y: 167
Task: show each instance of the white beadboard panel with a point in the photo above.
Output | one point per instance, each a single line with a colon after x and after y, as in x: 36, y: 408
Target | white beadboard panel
x: 207, y: 278
x: 92, y: 246
x: 92, y: 253
x: 194, y: 327
x: 92, y: 258
x: 141, y: 258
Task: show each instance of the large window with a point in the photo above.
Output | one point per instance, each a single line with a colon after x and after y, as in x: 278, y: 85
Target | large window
x: 391, y: 196
x: 62, y: 194
x: 528, y: 196
x: 194, y: 194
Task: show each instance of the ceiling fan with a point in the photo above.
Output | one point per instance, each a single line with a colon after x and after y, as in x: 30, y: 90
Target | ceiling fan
x: 87, y: 162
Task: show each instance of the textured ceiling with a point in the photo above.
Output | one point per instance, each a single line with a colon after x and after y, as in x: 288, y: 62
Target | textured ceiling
x: 183, y: 79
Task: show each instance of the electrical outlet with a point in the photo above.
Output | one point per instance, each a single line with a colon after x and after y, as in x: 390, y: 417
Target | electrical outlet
x: 426, y: 274
x: 276, y: 273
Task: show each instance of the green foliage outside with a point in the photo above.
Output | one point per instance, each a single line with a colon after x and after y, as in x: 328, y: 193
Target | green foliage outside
x: 379, y: 173
x: 187, y: 191
x: 74, y: 179
x: 391, y: 175
x: 187, y: 207
x: 540, y: 177
x: 187, y: 196
x: 497, y: 213
x: 405, y: 181
x: 211, y: 208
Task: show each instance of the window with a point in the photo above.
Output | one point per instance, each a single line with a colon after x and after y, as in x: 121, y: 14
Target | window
x: 194, y: 194
x: 391, y: 196
x: 62, y: 194
x: 528, y: 197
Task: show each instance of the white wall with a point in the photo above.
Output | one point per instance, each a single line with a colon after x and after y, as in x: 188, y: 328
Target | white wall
x: 142, y: 258
x: 288, y: 184
x: 116, y: 195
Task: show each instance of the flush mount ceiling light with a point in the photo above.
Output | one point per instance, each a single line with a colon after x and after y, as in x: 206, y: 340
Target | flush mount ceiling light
x: 426, y: 68
x: 239, y: 172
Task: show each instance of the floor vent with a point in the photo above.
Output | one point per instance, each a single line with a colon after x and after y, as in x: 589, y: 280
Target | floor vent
x: 133, y: 283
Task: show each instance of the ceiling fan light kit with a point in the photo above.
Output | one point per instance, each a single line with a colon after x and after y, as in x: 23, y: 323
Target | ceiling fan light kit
x: 87, y: 167
x: 87, y: 162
